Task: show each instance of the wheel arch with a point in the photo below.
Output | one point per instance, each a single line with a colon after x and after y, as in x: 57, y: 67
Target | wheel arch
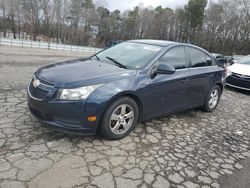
x: 129, y: 94
x: 220, y: 85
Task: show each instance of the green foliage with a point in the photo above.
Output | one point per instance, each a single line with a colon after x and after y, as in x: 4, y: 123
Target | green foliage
x: 103, y: 12
x: 195, y: 12
x: 88, y: 4
x: 133, y: 15
x: 116, y: 14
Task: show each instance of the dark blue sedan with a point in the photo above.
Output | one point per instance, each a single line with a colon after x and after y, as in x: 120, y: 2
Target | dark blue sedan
x: 131, y: 82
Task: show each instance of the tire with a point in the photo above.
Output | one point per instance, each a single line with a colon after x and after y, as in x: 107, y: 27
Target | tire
x: 212, y: 99
x: 119, y: 119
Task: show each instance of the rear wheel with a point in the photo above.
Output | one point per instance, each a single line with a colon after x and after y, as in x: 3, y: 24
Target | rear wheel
x: 119, y: 119
x: 212, y: 99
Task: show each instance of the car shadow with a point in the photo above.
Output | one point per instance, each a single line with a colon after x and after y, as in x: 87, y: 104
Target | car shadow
x: 245, y: 92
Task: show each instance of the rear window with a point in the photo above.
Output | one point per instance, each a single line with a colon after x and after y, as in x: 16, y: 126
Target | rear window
x: 197, y: 58
x: 210, y: 61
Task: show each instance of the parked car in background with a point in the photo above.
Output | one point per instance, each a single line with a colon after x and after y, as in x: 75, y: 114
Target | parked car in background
x: 217, y: 56
x: 220, y: 59
x: 130, y: 82
x: 229, y: 60
x: 239, y: 74
x: 236, y: 58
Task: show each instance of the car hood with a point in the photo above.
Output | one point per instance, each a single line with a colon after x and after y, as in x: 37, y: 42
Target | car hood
x: 240, y: 69
x: 78, y: 73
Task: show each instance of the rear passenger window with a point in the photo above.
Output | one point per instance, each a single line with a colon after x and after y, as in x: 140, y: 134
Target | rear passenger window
x: 209, y: 61
x: 197, y: 58
x: 175, y: 57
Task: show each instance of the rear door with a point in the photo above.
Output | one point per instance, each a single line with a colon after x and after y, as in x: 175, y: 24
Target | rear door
x: 199, y: 75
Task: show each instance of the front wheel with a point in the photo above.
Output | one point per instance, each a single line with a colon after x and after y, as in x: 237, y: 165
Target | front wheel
x: 119, y: 119
x: 212, y: 99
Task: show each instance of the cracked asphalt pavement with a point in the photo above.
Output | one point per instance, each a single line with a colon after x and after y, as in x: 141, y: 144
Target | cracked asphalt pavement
x: 185, y: 150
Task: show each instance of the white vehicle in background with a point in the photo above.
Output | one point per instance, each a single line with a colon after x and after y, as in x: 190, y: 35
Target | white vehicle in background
x: 239, y: 74
x: 236, y: 58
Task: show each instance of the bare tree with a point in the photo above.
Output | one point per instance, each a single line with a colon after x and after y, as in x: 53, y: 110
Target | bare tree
x: 32, y: 14
x: 222, y: 26
x: 3, y: 8
x: 48, y: 9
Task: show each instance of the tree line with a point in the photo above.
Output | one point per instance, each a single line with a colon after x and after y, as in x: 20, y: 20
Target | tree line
x: 222, y: 26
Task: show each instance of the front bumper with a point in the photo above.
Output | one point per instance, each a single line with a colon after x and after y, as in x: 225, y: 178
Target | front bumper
x: 239, y: 82
x: 64, y: 116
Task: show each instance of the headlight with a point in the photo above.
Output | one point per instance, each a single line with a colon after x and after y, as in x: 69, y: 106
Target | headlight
x: 76, y: 93
x: 229, y: 72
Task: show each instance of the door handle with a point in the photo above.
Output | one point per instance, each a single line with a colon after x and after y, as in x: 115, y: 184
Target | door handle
x: 185, y: 80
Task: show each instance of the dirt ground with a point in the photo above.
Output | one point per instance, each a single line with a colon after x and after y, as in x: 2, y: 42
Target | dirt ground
x: 185, y: 150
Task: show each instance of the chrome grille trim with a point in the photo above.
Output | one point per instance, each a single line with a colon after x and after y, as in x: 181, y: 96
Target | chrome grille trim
x: 43, y: 87
x: 30, y: 93
x: 41, y: 82
x: 240, y: 75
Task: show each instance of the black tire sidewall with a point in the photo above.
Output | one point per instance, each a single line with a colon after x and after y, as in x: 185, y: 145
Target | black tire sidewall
x: 104, y: 126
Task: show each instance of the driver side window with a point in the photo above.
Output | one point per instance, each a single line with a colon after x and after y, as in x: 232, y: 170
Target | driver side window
x: 175, y: 57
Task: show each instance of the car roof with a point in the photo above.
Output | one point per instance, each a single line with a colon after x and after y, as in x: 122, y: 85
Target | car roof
x: 214, y: 54
x: 155, y: 42
x: 165, y: 43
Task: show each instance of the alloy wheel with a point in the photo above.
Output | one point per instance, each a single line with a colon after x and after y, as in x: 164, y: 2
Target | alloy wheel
x: 214, y: 98
x: 121, y: 119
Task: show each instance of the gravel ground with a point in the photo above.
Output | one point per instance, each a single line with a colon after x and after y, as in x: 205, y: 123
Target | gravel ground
x: 184, y: 150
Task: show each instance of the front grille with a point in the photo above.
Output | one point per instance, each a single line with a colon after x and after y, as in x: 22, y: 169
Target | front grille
x: 245, y: 77
x: 37, y: 92
x: 238, y: 81
x: 41, y: 91
x: 45, y: 83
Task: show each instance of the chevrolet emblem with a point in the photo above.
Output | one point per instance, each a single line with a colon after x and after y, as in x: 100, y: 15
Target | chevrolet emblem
x: 36, y: 83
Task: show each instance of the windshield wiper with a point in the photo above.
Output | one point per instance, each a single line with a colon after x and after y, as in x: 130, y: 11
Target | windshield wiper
x: 97, y: 57
x: 117, y: 62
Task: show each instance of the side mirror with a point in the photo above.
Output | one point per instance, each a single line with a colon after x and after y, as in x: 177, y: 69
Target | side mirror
x: 165, y: 69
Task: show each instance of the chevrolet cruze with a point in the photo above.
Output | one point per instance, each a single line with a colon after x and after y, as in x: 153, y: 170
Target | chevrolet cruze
x: 131, y: 82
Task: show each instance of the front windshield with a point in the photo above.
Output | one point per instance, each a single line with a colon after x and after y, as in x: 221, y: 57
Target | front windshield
x: 237, y: 57
x: 245, y: 60
x: 131, y: 55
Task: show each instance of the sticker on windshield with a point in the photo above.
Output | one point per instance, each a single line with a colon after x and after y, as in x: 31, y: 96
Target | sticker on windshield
x: 151, y: 48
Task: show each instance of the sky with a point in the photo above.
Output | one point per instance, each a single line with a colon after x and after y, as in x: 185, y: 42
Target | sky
x: 130, y: 4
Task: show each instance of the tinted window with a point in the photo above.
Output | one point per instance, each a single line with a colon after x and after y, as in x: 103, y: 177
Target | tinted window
x: 175, y: 57
x: 209, y: 61
x: 197, y: 58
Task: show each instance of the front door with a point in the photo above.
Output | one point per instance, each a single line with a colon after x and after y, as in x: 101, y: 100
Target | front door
x: 167, y: 92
